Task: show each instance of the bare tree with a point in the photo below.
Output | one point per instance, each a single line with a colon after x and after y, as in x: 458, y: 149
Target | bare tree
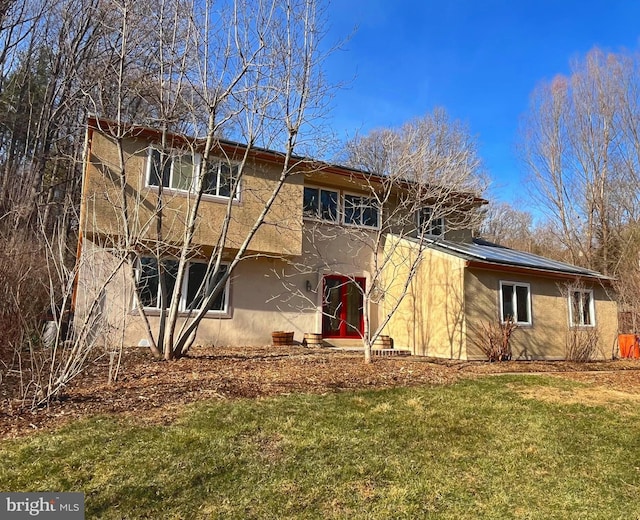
x: 248, y: 70
x: 581, y: 145
x: 417, y: 182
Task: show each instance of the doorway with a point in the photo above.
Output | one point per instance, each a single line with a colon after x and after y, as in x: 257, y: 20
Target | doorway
x: 342, y: 307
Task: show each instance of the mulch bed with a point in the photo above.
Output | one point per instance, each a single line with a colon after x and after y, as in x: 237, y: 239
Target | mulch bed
x: 154, y: 391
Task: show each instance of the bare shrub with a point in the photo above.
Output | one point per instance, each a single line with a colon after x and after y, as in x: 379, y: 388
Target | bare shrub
x: 494, y: 340
x: 24, y: 295
x: 582, y: 344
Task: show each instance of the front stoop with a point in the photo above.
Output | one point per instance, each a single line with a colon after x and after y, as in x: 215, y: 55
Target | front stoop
x: 385, y: 352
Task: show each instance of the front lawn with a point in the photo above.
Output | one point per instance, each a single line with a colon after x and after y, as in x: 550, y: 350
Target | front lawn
x: 486, y: 448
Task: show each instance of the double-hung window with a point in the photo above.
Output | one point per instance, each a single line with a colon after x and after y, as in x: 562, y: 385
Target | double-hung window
x: 220, y: 179
x: 181, y: 172
x: 429, y: 224
x: 581, y: 308
x: 321, y: 204
x: 515, y: 302
x: 197, y: 285
x: 177, y: 172
x: 361, y: 211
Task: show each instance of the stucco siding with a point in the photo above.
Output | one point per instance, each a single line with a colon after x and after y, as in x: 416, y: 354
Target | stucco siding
x: 430, y: 319
x: 281, y: 233
x: 549, y: 333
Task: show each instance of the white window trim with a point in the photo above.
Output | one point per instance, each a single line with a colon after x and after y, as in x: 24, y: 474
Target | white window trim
x: 432, y: 223
x: 319, y: 218
x: 225, y: 312
x: 515, y: 302
x: 592, y: 309
x: 197, y: 177
x: 344, y: 210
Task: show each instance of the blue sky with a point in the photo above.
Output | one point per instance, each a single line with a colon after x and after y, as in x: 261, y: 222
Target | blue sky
x: 479, y: 59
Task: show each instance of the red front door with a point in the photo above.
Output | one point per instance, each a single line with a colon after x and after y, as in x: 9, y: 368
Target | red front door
x: 342, y: 307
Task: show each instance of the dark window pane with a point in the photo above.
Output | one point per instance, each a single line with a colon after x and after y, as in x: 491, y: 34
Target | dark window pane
x: 210, y: 181
x: 352, y: 209
x: 147, y: 284
x: 310, y: 202
x: 522, y: 303
x: 586, y: 308
x: 370, y: 213
x: 437, y: 227
x: 160, y: 169
x: 197, y: 290
x: 169, y: 272
x: 226, y: 178
x: 507, y: 302
x: 424, y: 217
x: 575, y: 308
x: 329, y: 205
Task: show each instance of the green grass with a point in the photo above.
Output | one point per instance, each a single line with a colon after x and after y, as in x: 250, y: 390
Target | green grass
x: 476, y: 449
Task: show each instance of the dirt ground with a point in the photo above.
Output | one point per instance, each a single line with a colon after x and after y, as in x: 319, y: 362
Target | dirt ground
x: 154, y: 391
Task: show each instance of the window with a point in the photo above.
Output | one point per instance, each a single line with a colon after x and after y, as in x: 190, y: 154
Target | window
x: 361, y: 211
x: 581, y: 309
x: 515, y: 302
x: 321, y: 204
x: 195, y: 288
x: 220, y: 179
x: 427, y: 224
x: 199, y: 287
x: 177, y: 172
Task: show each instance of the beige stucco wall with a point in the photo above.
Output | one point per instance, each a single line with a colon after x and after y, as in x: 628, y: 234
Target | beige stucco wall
x: 547, y: 336
x: 430, y: 318
x: 103, y: 215
x: 264, y: 295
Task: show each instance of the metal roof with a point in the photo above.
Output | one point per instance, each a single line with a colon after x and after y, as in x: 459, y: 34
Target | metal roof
x: 494, y: 254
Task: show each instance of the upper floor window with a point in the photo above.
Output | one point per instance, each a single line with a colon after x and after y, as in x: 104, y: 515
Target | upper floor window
x: 221, y: 179
x: 581, y: 308
x: 196, y: 287
x: 428, y: 224
x: 181, y: 171
x: 515, y: 302
x: 320, y: 203
x: 177, y: 172
x: 361, y: 211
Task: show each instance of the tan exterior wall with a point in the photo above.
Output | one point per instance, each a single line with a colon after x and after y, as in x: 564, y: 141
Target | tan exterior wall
x: 281, y: 234
x: 264, y: 294
x: 259, y: 303
x: 547, y: 336
x: 430, y: 318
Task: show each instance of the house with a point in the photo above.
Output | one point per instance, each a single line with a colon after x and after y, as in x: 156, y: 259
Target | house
x: 322, y: 261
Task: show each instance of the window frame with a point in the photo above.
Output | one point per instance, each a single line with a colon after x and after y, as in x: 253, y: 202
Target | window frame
x: 433, y: 223
x: 171, y: 156
x: 346, y: 194
x: 592, y: 308
x: 183, y: 308
x: 197, y: 174
x: 234, y: 167
x: 318, y: 215
x: 514, y: 302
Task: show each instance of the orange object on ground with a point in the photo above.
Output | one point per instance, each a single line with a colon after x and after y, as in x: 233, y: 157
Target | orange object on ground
x: 629, y: 346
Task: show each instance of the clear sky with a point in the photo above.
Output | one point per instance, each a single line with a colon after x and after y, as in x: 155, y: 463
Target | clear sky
x: 479, y: 59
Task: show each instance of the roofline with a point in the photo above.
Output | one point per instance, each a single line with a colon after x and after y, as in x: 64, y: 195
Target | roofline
x: 495, y: 266
x: 264, y: 154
